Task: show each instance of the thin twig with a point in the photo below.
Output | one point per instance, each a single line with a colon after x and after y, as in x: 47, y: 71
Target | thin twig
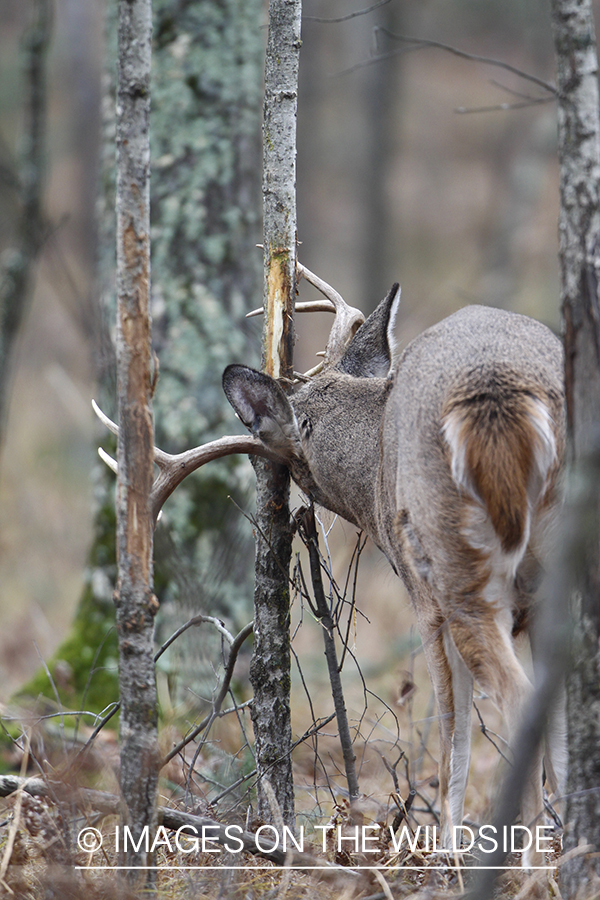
x: 486, y: 733
x: 358, y: 549
x: 348, y: 16
x: 422, y: 43
x: 196, y: 620
x: 308, y: 532
x: 307, y: 734
x: 503, y: 107
x: 206, y: 723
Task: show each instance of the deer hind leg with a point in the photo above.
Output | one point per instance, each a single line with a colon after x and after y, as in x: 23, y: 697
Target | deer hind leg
x: 555, y: 743
x: 555, y: 751
x: 486, y: 645
x: 453, y: 687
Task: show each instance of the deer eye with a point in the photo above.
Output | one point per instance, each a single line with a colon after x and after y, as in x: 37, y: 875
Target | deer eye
x: 306, y: 427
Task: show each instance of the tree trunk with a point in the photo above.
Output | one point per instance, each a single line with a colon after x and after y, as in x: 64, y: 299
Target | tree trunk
x: 15, y: 273
x: 205, y: 212
x: 381, y: 255
x: 579, y: 233
x: 270, y: 668
x: 136, y: 604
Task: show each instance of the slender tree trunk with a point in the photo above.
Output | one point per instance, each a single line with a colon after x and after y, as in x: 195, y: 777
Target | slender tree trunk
x: 579, y: 232
x: 270, y: 668
x: 15, y: 274
x: 136, y: 604
x: 382, y: 111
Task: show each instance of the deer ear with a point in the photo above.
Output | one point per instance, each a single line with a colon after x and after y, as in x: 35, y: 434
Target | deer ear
x: 370, y: 352
x: 263, y: 407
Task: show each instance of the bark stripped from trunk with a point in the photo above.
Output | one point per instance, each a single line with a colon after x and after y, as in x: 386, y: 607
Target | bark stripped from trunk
x: 270, y: 667
x: 135, y: 601
x: 579, y: 232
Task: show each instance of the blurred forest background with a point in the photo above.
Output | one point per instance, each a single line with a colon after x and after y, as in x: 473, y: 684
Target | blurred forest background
x: 394, y: 184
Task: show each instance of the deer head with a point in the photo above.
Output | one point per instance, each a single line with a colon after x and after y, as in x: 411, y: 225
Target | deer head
x: 317, y: 430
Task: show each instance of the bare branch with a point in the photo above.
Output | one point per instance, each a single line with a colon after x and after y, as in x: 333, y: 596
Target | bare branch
x: 196, y: 620
x: 173, y: 819
x: 207, y: 721
x: 346, y: 18
x: 173, y: 468
x: 473, y: 57
x: 308, y: 532
x: 503, y: 107
x: 422, y: 43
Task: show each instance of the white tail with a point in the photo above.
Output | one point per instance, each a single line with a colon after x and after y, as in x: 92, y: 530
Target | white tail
x: 450, y: 460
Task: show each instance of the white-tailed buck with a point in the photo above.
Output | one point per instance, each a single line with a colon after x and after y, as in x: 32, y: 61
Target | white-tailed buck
x: 449, y: 458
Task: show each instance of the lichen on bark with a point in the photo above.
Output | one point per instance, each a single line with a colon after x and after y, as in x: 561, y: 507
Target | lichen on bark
x: 205, y: 224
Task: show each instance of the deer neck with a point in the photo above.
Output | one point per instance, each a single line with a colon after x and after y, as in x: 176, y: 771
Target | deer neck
x: 340, y: 419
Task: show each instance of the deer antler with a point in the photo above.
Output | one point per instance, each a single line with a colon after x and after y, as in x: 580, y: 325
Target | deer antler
x: 347, y: 318
x: 172, y: 469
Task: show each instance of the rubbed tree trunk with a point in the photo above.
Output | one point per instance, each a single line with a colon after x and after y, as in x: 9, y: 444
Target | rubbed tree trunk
x: 136, y: 604
x: 270, y: 668
x: 579, y: 232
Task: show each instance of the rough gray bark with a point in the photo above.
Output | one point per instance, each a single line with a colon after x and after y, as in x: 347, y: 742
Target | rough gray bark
x: 135, y: 601
x: 579, y: 225
x: 270, y: 667
x: 15, y: 274
x: 579, y: 234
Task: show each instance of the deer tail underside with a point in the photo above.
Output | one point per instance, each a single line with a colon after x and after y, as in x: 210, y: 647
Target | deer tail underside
x: 502, y: 453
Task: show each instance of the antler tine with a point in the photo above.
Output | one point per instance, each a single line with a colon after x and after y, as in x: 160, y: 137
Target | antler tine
x: 172, y: 469
x: 347, y: 318
x: 108, y: 460
x: 108, y: 423
x: 300, y: 306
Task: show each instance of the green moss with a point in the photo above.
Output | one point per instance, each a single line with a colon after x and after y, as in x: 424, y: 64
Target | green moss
x: 84, y: 668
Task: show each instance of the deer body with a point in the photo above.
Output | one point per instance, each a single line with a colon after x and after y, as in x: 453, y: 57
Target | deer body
x: 450, y: 460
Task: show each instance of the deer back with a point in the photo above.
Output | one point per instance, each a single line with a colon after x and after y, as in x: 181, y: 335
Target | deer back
x: 473, y: 440
x: 470, y: 415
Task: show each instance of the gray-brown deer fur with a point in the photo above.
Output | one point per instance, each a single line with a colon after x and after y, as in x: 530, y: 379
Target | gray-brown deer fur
x: 449, y: 459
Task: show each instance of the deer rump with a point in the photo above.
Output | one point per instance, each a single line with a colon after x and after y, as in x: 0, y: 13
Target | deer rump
x: 450, y: 459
